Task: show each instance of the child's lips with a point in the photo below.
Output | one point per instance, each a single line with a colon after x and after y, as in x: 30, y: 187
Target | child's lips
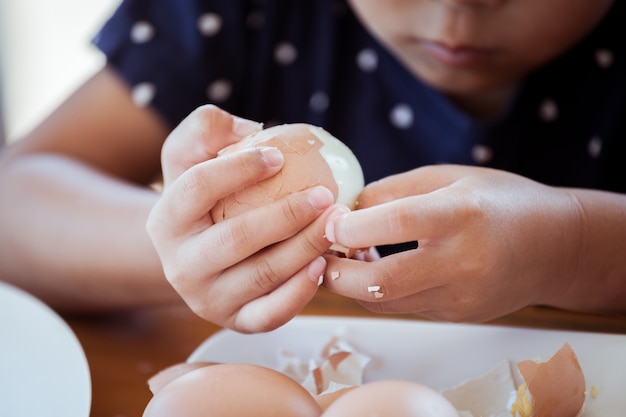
x: 457, y: 56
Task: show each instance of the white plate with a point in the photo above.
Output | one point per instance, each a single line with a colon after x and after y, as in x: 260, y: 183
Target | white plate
x: 43, y: 369
x: 438, y: 355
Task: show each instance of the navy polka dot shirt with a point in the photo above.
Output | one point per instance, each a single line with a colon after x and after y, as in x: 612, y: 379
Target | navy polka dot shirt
x: 282, y: 61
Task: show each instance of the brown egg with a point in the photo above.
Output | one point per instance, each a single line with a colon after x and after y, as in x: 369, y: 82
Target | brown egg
x: 391, y: 398
x: 312, y: 157
x: 173, y: 372
x: 325, y: 400
x: 554, y: 388
x: 228, y: 390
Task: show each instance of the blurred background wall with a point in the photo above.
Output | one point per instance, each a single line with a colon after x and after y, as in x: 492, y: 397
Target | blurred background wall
x: 2, y: 132
x: 45, y: 53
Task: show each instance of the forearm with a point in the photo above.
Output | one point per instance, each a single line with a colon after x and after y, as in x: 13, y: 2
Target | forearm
x: 598, y: 272
x: 76, y: 238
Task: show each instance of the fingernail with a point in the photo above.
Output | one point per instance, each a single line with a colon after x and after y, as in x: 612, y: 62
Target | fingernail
x: 321, y: 197
x: 315, y: 271
x: 272, y: 156
x: 330, y: 222
x: 245, y: 127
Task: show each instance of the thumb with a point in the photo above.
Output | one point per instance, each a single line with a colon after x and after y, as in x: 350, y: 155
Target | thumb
x: 199, y: 137
x: 418, y: 181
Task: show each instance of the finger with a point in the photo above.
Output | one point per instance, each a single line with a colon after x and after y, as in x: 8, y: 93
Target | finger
x: 422, y: 218
x: 270, y: 268
x: 240, y: 237
x: 421, y: 180
x: 199, y: 137
x: 196, y: 191
x: 385, y: 279
x: 432, y: 287
x: 276, y: 308
x: 226, y: 257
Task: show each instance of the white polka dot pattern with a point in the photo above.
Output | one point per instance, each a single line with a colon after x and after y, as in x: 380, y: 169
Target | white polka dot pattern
x: 482, y: 154
x: 319, y: 102
x: 548, y: 110
x: 209, y: 24
x: 143, y: 93
x: 285, y: 53
x: 367, y: 60
x: 142, y: 32
x: 219, y: 90
x: 402, y: 116
x: 604, y: 58
x: 594, y: 147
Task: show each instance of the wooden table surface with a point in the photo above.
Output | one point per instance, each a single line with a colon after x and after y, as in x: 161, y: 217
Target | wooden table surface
x: 124, y: 350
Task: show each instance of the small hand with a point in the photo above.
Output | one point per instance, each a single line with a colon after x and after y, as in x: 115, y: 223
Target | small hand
x: 252, y: 272
x: 490, y: 243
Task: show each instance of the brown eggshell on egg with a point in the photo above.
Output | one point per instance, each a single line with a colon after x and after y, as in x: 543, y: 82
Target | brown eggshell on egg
x: 170, y: 373
x: 557, y: 386
x: 312, y: 157
x: 227, y: 390
x: 391, y: 398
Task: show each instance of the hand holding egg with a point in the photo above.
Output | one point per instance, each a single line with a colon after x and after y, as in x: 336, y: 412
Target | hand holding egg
x: 240, y: 236
x: 312, y: 157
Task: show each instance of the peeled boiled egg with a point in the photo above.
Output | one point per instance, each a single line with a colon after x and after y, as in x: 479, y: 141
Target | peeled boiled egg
x: 391, y: 398
x: 312, y: 157
x: 227, y: 390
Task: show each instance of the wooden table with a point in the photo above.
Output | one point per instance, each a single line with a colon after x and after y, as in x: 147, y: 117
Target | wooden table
x: 124, y: 350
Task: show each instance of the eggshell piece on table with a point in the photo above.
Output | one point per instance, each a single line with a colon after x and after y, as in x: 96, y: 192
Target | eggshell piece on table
x: 484, y: 395
x: 556, y: 386
x: 312, y: 157
x: 227, y: 390
x: 391, y: 398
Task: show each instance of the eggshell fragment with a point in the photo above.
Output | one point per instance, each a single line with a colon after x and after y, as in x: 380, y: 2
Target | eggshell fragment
x: 340, y: 366
x: 391, y: 398
x: 312, y: 157
x: 484, y: 395
x: 557, y: 386
x: 227, y: 390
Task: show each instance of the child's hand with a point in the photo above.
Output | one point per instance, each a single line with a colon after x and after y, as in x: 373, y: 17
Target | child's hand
x: 252, y: 272
x: 490, y: 243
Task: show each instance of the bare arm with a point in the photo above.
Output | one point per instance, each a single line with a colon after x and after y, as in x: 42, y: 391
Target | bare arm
x: 75, y: 197
x: 598, y: 277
